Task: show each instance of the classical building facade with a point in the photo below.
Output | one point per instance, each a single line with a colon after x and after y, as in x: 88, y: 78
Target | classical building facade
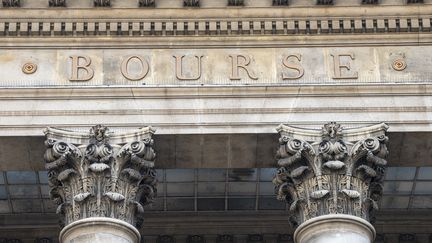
x: 209, y: 121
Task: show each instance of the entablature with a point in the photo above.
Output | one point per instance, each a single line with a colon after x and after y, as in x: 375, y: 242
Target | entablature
x: 215, y: 22
x: 197, y: 3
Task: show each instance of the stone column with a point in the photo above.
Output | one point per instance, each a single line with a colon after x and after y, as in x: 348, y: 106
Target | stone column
x: 100, y: 182
x: 332, y: 181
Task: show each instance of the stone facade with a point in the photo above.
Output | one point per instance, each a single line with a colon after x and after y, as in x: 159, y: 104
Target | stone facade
x: 215, y: 77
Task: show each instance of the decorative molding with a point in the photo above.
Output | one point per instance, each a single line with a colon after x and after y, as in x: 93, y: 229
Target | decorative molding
x: 147, y: 3
x: 235, y: 2
x: 370, y: 1
x: 325, y: 2
x: 22, y: 28
x: 11, y: 3
x: 280, y: 2
x: 97, y: 174
x: 102, y: 3
x: 331, y: 171
x: 57, y: 3
x: 191, y: 3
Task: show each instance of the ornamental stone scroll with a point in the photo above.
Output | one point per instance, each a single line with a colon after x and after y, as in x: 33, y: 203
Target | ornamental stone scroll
x: 100, y: 178
x: 331, y: 176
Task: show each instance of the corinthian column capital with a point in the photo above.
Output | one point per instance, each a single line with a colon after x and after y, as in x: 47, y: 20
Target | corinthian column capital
x: 331, y: 171
x: 100, y: 174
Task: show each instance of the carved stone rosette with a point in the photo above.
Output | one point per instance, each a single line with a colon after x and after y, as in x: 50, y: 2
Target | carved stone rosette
x: 332, y: 171
x: 99, y: 174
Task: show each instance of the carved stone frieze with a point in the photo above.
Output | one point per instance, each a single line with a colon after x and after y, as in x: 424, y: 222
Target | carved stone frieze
x: 332, y: 171
x: 235, y: 2
x: 370, y: 1
x: 57, y: 3
x: 147, y: 3
x: 325, y: 2
x: 102, y: 3
x: 11, y: 3
x: 99, y: 174
x: 280, y: 2
x: 191, y: 3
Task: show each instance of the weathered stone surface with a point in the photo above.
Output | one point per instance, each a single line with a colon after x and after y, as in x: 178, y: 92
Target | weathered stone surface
x: 198, y: 67
x: 333, y: 171
x: 99, y: 230
x: 335, y: 228
x: 98, y: 174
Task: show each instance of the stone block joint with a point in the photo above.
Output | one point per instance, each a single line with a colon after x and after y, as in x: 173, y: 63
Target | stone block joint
x: 99, y: 174
x: 332, y: 171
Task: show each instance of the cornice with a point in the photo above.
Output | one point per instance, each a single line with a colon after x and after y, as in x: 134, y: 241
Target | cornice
x: 232, y: 91
x: 327, y: 25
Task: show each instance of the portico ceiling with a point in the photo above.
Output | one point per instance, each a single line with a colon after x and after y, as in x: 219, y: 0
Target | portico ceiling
x: 215, y: 201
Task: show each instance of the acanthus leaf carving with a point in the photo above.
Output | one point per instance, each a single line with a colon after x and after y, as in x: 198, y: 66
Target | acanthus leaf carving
x: 96, y: 177
x: 331, y: 170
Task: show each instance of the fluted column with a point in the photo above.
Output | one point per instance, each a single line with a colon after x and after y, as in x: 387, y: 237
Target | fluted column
x: 100, y: 182
x: 332, y: 180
